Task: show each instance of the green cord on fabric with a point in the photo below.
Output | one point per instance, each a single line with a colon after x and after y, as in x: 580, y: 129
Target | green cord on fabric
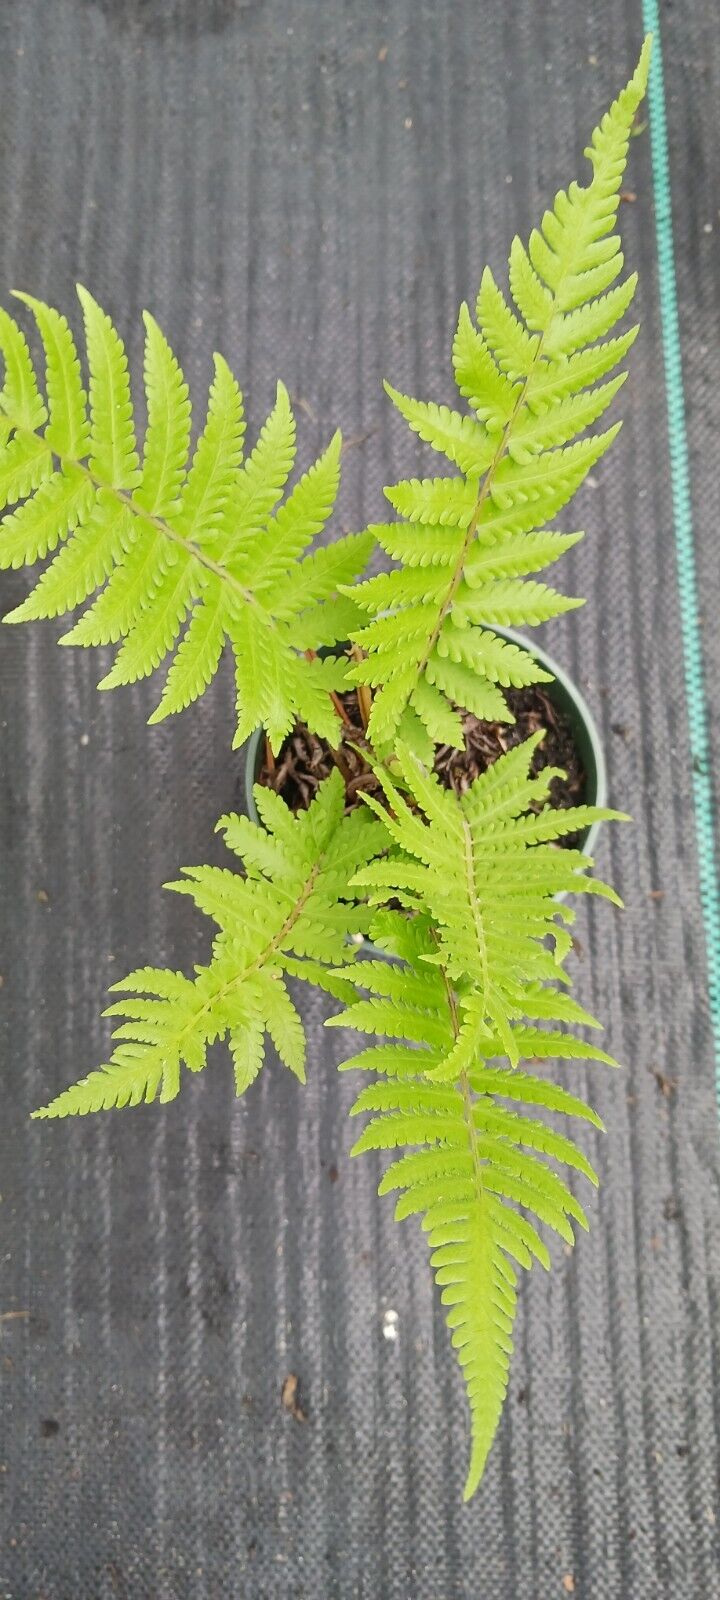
x: 683, y: 525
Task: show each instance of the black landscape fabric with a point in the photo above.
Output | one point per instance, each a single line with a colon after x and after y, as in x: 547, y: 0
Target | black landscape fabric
x: 312, y: 188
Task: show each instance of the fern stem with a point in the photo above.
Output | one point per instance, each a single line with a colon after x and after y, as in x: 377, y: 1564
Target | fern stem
x: 475, y: 906
x: 162, y: 526
x: 364, y: 692
x: 311, y: 655
x: 472, y: 530
x: 464, y: 1084
x: 474, y: 522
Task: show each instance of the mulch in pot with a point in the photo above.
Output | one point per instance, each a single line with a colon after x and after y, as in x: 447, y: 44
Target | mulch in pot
x: 304, y: 759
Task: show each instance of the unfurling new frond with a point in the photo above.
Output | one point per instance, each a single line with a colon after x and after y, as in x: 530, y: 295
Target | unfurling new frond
x: 290, y: 915
x: 466, y: 544
x: 181, y: 552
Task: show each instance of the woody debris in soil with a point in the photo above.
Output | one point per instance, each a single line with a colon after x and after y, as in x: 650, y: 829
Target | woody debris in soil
x: 304, y: 759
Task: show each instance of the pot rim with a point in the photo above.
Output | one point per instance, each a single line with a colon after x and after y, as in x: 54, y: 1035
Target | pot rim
x: 598, y: 791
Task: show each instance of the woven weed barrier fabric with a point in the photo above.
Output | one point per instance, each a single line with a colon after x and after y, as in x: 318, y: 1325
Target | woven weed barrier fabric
x: 312, y: 186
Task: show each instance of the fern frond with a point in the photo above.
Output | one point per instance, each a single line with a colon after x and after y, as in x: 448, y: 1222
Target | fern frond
x: 472, y: 977
x: 470, y: 1161
x: 529, y: 375
x: 291, y: 914
x: 189, y: 551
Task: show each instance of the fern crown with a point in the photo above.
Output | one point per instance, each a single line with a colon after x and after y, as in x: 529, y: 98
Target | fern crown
x: 188, y: 551
x: 466, y: 544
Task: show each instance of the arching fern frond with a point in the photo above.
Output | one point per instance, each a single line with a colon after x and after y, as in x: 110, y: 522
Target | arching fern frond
x: 467, y: 543
x: 188, y: 551
x: 473, y: 1160
x: 291, y: 915
x: 483, y: 866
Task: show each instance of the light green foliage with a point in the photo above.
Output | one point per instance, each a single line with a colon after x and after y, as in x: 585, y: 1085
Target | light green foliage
x: 531, y: 376
x: 467, y: 861
x: 476, y: 933
x: 473, y: 977
x: 473, y: 1160
x: 188, y: 549
x: 472, y: 984
x: 291, y: 914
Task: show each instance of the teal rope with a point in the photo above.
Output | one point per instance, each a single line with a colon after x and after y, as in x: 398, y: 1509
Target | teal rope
x: 683, y: 523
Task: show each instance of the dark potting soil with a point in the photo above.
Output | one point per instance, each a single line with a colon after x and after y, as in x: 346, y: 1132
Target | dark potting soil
x: 304, y: 759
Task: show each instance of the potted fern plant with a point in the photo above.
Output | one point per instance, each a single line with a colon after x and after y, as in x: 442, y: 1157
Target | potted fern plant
x: 181, y: 553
